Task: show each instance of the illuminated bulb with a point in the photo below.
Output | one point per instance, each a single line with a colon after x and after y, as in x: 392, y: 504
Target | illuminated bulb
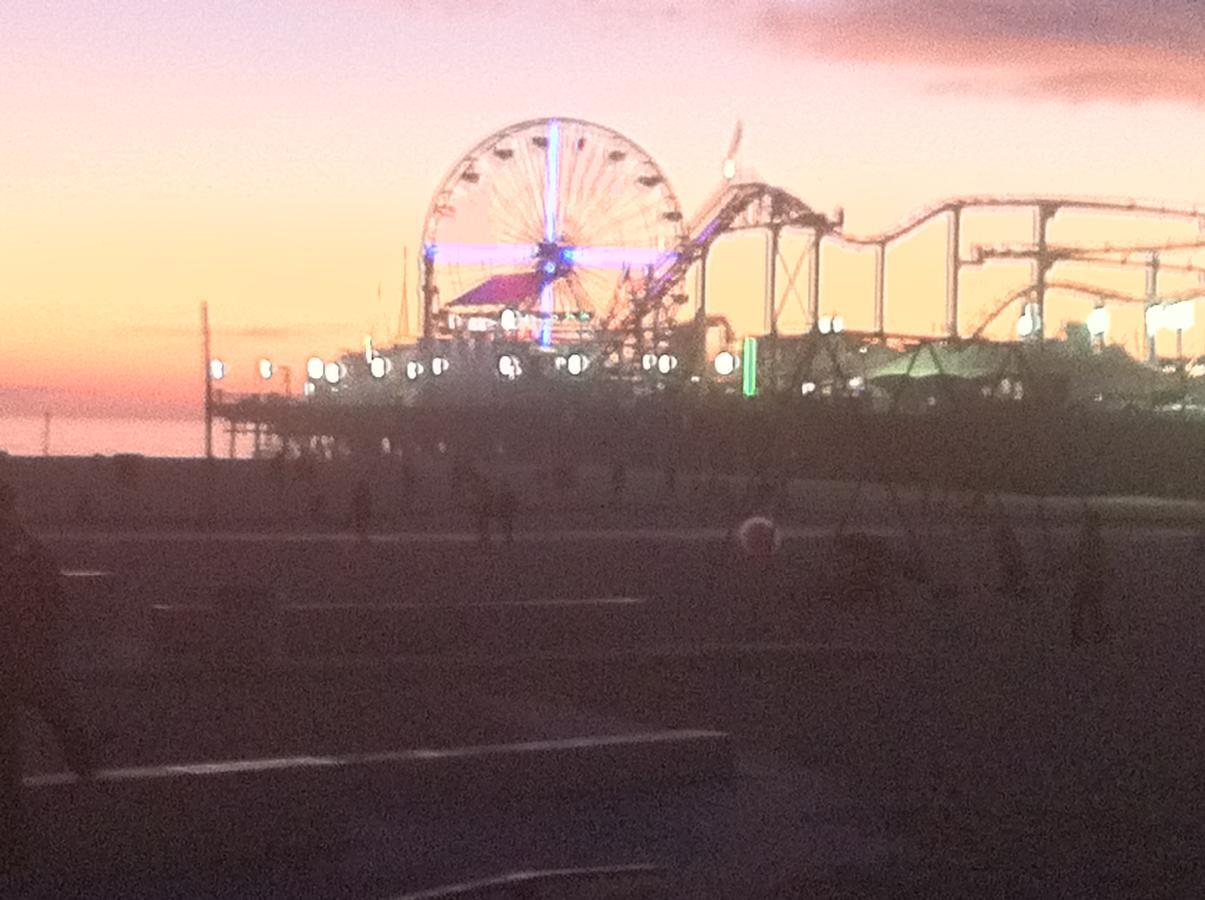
x: 725, y: 363
x: 509, y: 367
x: 314, y: 368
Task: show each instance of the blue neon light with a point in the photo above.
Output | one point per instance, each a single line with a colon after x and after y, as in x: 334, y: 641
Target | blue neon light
x: 552, y: 183
x: 552, y: 186
x: 546, y: 307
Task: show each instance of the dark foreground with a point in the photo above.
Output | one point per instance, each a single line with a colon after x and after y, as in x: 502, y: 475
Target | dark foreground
x: 884, y: 742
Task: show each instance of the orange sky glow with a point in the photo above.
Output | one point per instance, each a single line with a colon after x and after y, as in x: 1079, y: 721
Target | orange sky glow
x: 274, y: 158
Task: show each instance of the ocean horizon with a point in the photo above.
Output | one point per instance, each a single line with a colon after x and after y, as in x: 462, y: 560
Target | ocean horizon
x: 106, y: 436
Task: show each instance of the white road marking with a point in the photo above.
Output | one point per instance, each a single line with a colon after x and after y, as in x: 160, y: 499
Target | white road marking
x: 299, y: 763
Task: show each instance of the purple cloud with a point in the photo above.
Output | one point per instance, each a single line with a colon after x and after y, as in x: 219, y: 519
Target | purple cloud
x: 1130, y: 50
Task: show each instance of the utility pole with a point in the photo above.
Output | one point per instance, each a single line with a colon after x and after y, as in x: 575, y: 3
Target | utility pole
x: 953, y: 269
x: 403, y: 315
x: 772, y: 301
x: 1043, y: 262
x: 880, y: 285
x: 1152, y: 300
x: 208, y: 381
x: 701, y: 311
x: 46, y: 433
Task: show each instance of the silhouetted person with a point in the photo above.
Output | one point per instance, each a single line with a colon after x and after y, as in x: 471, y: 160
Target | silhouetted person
x: 505, y: 505
x: 31, y: 622
x: 1088, y: 598
x: 276, y: 469
x: 619, y: 479
x: 361, y: 507
x: 409, y: 484
x: 1014, y: 577
x: 484, y: 505
x: 84, y: 507
x: 317, y: 507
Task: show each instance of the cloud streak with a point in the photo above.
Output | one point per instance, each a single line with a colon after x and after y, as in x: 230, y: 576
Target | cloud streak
x: 1074, y: 50
x: 251, y: 332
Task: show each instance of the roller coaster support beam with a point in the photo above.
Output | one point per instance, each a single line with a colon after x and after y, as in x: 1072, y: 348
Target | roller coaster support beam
x: 701, y: 311
x: 880, y: 286
x: 428, y: 295
x: 814, y: 290
x: 771, y: 313
x: 953, y: 270
x: 1152, y: 299
x: 1043, y: 261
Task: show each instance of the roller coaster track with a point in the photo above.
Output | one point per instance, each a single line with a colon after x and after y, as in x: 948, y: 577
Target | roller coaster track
x: 735, y: 207
x: 1092, y: 290
x: 1052, y: 203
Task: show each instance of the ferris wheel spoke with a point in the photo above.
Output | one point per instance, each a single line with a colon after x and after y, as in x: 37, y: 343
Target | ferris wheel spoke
x: 578, y: 148
x: 598, y: 180
x: 531, y: 182
x: 587, y: 159
x: 598, y: 286
x: 510, y: 205
x: 513, y: 203
x: 597, y: 197
x: 634, y: 208
x: 510, y: 230
x: 552, y: 183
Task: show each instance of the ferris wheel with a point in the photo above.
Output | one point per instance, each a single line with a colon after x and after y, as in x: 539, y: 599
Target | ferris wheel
x: 546, y: 231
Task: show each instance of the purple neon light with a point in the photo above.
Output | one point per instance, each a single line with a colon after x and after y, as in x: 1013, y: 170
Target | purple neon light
x: 547, y: 305
x: 522, y: 254
x: 614, y: 257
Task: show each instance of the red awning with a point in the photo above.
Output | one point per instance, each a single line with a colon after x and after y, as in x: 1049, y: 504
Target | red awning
x: 503, y: 290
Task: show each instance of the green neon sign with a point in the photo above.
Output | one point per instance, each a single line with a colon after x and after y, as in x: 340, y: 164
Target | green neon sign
x: 749, y: 372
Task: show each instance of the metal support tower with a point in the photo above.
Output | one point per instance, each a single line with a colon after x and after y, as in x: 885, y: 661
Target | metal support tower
x: 208, y: 381
x: 1152, y: 299
x: 953, y: 269
x: 880, y: 286
x: 1042, y: 262
x: 814, y: 290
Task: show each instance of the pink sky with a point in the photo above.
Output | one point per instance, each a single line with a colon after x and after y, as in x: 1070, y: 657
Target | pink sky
x: 274, y: 157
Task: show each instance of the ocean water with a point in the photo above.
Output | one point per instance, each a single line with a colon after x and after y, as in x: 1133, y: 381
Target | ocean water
x: 23, y: 436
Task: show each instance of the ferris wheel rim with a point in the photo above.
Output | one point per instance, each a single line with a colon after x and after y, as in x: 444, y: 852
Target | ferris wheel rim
x: 662, y: 229
x: 499, y: 133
